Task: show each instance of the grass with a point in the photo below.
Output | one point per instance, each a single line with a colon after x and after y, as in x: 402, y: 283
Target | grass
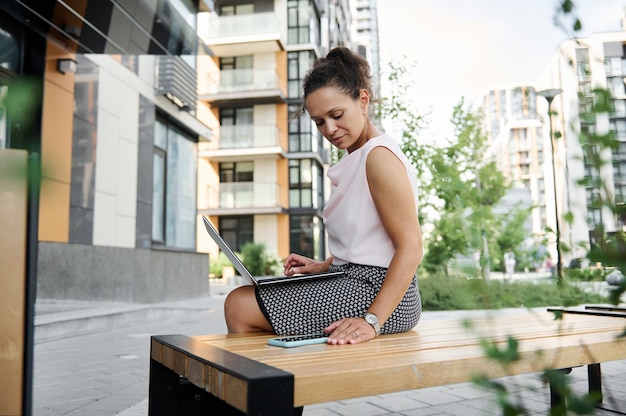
x: 444, y: 293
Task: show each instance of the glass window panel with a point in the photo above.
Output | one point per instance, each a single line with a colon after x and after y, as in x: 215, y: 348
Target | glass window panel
x: 11, y: 52
x: 174, y: 187
x: 181, y: 191
x: 158, y: 197
x: 4, y: 127
x: 160, y: 135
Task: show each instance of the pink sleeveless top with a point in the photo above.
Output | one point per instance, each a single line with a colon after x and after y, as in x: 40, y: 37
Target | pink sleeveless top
x: 355, y: 230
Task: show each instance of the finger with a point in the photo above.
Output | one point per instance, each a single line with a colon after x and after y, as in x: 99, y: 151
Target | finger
x: 357, y: 337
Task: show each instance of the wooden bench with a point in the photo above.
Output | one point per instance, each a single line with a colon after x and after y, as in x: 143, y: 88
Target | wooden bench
x: 242, y: 374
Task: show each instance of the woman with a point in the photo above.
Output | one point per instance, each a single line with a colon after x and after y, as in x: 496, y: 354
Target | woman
x: 371, y: 219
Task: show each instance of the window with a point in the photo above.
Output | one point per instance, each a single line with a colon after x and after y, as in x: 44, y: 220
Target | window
x: 305, y: 235
x: 237, y: 231
x: 174, y: 187
x: 236, y: 9
x: 619, y: 108
x: 298, y: 63
x: 236, y: 172
x: 300, y: 137
x: 9, y: 66
x: 302, y: 23
x: 616, y: 86
x: 618, y: 126
x: 614, y: 66
x: 236, y: 130
x: 305, y: 178
x: 4, y: 125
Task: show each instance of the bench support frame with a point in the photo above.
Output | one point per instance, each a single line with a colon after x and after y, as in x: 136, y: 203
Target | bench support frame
x: 269, y: 390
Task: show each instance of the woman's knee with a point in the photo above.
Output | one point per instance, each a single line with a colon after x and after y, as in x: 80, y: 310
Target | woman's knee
x: 241, y: 309
x: 236, y: 300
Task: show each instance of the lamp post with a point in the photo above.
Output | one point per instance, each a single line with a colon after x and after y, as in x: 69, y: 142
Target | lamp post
x: 549, y: 96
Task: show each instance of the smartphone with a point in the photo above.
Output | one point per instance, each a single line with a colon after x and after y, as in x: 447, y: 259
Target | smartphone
x: 298, y: 340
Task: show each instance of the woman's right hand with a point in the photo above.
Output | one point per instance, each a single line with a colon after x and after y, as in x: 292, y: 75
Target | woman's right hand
x: 297, y: 264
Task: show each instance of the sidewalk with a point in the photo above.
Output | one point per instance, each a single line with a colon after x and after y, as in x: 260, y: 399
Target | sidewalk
x: 93, y: 359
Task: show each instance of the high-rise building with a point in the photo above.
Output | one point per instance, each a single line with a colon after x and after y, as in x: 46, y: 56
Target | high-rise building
x: 517, y: 146
x: 541, y: 150
x: 148, y: 114
x: 262, y: 176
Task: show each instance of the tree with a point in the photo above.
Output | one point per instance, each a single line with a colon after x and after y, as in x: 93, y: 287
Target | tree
x: 467, y: 187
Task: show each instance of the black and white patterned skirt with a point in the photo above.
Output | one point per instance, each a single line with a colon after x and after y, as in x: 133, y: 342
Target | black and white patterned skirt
x: 310, y: 306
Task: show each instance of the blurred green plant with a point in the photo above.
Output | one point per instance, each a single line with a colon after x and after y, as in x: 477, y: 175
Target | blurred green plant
x: 216, y: 267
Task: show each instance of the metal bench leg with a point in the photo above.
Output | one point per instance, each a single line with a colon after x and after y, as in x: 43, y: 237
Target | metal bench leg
x: 594, y: 375
x: 172, y: 395
x: 557, y: 400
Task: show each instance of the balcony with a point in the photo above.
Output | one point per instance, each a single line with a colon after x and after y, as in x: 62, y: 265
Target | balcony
x: 244, y: 140
x: 244, y: 34
x: 243, y: 87
x: 240, y: 198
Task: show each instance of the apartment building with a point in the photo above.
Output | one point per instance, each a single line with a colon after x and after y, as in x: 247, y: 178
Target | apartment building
x: 112, y: 118
x: 541, y: 150
x: 578, y: 68
x: 517, y: 146
x: 147, y: 117
x: 263, y: 174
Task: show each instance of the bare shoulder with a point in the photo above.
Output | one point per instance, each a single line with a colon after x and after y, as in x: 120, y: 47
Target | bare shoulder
x: 381, y: 159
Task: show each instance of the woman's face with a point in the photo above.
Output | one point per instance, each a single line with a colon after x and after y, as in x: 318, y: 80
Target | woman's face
x: 341, y: 119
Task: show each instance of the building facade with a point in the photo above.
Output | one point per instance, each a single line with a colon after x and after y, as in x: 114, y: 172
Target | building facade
x: 263, y: 175
x: 112, y: 117
x: 517, y: 146
x: 540, y: 143
x: 579, y: 68
x: 149, y: 114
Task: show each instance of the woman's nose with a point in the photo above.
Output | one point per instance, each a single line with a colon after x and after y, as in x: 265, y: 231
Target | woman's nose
x: 331, y: 128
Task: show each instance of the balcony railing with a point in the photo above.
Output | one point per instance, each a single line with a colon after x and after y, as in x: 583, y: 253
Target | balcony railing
x: 248, y: 136
x: 247, y: 79
x: 237, y: 195
x: 256, y: 24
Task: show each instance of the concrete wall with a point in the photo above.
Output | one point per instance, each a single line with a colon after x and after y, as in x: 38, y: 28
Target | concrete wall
x: 118, y: 274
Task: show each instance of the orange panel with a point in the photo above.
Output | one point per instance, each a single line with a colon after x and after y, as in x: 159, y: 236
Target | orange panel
x: 56, y: 146
x: 56, y: 138
x: 54, y: 211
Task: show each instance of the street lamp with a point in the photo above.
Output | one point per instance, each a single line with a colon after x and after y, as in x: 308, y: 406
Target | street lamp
x: 549, y: 96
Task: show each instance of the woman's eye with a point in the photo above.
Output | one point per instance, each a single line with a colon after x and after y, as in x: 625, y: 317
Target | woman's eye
x: 337, y: 116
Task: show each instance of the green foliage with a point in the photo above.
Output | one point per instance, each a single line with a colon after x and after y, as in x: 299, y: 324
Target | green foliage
x: 216, y: 266
x: 585, y: 275
x: 254, y: 258
x: 441, y: 292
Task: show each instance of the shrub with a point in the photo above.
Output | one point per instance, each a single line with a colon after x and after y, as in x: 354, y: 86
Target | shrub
x: 254, y: 258
x: 216, y: 266
x: 441, y: 292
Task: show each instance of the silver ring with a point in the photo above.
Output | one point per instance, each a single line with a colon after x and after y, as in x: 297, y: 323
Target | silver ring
x: 356, y: 333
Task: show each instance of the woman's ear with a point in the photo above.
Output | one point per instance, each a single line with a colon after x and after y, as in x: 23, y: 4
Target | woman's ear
x: 364, y: 97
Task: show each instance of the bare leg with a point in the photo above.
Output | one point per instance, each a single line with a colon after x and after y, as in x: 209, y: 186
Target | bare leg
x: 242, y: 312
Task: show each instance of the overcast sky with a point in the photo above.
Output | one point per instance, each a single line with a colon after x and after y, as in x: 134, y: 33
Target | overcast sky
x: 465, y: 47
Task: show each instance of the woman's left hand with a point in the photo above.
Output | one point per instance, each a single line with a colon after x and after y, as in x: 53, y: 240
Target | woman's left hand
x: 350, y: 331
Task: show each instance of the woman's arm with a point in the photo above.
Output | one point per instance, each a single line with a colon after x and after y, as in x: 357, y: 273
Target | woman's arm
x: 393, y: 196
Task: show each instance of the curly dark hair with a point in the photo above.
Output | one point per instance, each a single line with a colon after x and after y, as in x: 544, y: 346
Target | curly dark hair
x: 341, y: 68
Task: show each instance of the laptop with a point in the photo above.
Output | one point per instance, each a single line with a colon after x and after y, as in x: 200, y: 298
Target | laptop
x: 261, y: 281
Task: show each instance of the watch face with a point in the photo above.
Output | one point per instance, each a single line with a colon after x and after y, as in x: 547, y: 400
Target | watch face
x: 371, y: 318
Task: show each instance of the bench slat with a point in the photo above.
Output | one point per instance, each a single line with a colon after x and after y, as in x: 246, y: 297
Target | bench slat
x: 435, y: 353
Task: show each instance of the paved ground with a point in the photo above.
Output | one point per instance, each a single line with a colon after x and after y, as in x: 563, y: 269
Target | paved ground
x: 93, y: 359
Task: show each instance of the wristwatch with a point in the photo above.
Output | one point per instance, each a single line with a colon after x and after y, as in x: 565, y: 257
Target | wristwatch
x: 372, y: 319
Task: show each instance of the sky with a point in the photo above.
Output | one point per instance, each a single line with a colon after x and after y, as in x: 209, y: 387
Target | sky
x: 463, y: 48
